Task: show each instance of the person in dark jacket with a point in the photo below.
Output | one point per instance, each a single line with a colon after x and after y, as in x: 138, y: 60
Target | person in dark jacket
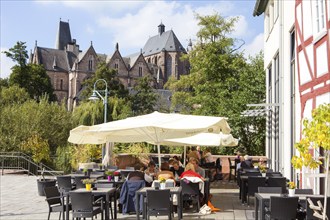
x: 247, y: 163
x: 176, y: 169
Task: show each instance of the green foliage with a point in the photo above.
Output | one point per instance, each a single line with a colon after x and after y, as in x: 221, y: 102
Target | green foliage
x: 37, y: 147
x: 316, y: 134
x: 63, y: 158
x: 13, y: 95
x: 19, y: 121
x: 221, y: 82
x: 18, y: 53
x: 144, y: 100
x: 84, y: 154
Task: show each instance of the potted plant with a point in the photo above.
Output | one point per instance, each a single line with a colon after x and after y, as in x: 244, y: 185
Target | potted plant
x: 292, y: 187
x: 116, y: 174
x: 256, y: 165
x: 109, y: 174
x: 315, y: 135
x: 162, y: 182
x: 88, y: 183
x: 262, y: 170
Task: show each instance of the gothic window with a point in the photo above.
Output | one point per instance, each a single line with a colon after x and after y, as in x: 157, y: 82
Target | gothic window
x: 156, y: 60
x: 90, y: 63
x: 168, y: 66
x: 61, y: 84
x: 140, y: 69
x: 116, y: 64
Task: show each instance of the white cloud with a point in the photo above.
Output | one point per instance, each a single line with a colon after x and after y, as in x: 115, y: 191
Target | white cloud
x: 5, y: 64
x: 255, y: 46
x: 90, y: 30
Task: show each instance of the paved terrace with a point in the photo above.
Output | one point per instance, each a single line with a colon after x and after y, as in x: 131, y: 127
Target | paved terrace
x: 19, y: 199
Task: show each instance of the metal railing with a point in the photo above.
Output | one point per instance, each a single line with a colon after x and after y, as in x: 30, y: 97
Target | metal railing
x: 19, y: 161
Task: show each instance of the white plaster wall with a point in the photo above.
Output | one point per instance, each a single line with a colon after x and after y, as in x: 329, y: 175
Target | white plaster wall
x: 322, y: 64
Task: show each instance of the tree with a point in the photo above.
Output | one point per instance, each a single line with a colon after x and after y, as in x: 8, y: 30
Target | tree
x: 144, y: 97
x: 13, y: 95
x: 32, y: 77
x: 221, y: 81
x: 316, y: 134
x: 116, y: 88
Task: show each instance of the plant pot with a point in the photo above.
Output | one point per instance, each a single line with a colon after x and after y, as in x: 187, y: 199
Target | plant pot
x: 43, y: 183
x: 116, y: 178
x: 162, y: 185
x: 109, y: 178
x: 88, y: 187
x: 263, y: 174
x: 291, y: 192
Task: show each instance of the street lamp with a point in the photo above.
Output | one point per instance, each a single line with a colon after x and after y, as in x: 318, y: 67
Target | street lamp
x: 97, y: 95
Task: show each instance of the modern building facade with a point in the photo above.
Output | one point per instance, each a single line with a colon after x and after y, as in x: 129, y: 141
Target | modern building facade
x: 297, y: 68
x: 68, y: 66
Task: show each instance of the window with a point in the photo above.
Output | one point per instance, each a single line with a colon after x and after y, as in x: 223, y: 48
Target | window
x: 277, y: 112
x: 116, y: 64
x: 276, y: 9
x: 61, y: 84
x: 270, y: 115
x: 168, y: 66
x: 140, y: 71
x: 319, y: 16
x: 90, y: 63
x: 292, y: 94
x: 267, y: 25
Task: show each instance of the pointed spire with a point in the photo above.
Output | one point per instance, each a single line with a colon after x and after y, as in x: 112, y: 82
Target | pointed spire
x: 91, y: 43
x: 161, y: 28
x: 63, y: 35
x: 117, y: 46
x: 54, y: 63
x: 36, y: 43
x: 140, y: 50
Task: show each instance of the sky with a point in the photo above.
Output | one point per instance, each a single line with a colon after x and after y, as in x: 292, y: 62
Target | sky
x: 128, y: 23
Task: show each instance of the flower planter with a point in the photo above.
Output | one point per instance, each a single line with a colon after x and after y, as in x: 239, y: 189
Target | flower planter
x: 162, y: 185
x: 88, y: 187
x: 263, y: 174
x: 109, y: 178
x: 291, y: 192
x: 116, y: 178
x: 43, y: 183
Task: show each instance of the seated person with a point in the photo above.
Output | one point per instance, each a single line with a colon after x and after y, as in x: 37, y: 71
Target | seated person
x: 165, y: 172
x: 198, y: 169
x: 176, y: 169
x: 152, y: 169
x: 179, y: 160
x: 137, y: 174
x: 190, y: 171
x: 247, y: 162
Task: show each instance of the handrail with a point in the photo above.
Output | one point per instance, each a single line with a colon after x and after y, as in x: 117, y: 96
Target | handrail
x: 22, y: 161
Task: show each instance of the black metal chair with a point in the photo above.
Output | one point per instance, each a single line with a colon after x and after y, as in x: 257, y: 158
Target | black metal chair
x: 190, y: 192
x: 282, y: 208
x: 54, y: 200
x: 277, y: 182
x: 157, y: 206
x: 274, y: 174
x: 304, y: 191
x: 64, y: 183
x: 269, y: 189
x: 254, y: 182
x: 78, y: 182
x: 231, y: 167
x: 107, y: 185
x: 310, y: 211
x: 83, y: 205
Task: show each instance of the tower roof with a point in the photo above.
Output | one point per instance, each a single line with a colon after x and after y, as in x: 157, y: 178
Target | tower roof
x: 63, y: 35
x: 166, y: 40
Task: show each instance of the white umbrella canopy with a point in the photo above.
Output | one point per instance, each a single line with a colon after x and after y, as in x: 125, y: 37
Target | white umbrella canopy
x: 154, y: 127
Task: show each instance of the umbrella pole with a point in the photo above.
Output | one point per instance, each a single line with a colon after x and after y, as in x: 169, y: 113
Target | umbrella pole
x: 184, y: 155
x: 159, y: 161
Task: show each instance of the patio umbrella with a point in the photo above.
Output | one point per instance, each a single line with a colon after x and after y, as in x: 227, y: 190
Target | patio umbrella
x: 155, y: 127
x: 202, y: 139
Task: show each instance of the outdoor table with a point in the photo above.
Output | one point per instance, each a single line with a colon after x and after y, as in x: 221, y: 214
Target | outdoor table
x: 113, y: 182
x: 143, y: 192
x: 107, y: 192
x: 261, y: 198
x: 91, y: 176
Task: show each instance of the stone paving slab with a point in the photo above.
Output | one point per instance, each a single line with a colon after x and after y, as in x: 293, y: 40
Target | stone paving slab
x: 19, y: 200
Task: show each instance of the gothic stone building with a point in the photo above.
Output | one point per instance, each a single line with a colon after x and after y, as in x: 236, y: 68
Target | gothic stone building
x: 68, y: 66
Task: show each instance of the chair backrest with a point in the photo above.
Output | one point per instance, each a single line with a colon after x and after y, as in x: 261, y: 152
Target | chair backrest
x: 277, y: 182
x: 269, y: 189
x: 64, y: 182
x: 103, y: 185
x: 310, y: 212
x: 274, y: 174
x: 82, y: 201
x: 283, y: 207
x: 155, y: 203
x: 304, y: 191
x: 78, y: 181
x: 169, y: 183
x: 254, y: 182
x: 231, y: 163
x: 52, y: 195
x: 189, y: 188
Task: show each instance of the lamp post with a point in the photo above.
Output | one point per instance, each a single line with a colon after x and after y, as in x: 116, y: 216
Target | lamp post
x: 96, y: 96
